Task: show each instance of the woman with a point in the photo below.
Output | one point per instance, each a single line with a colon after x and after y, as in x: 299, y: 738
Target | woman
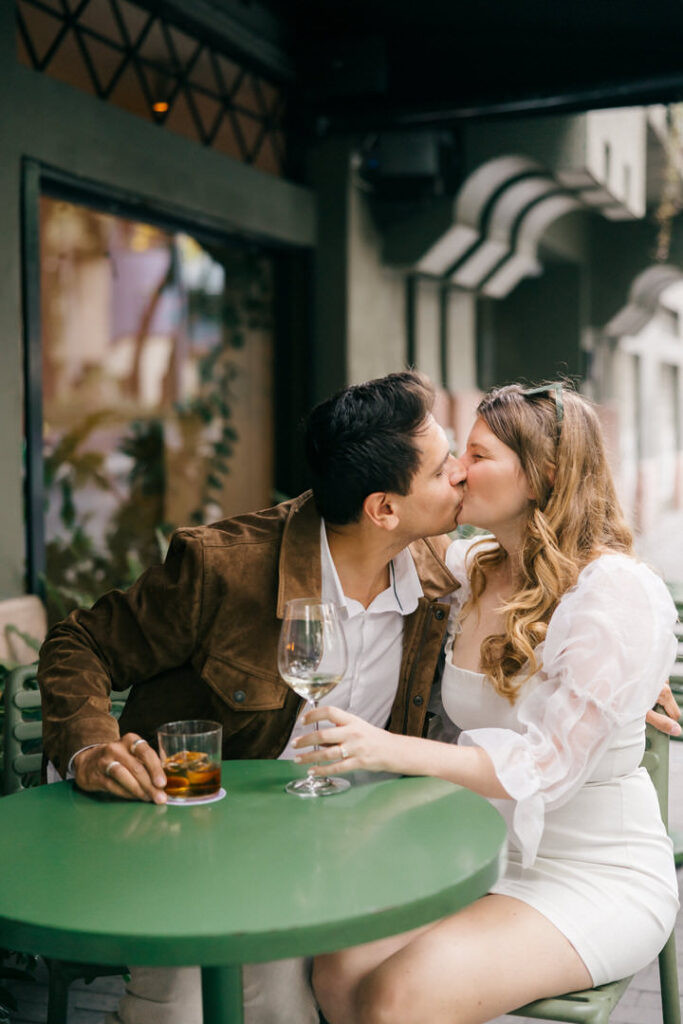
x: 559, y: 643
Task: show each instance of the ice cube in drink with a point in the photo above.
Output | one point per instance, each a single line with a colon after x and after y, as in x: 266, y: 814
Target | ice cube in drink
x: 191, y: 775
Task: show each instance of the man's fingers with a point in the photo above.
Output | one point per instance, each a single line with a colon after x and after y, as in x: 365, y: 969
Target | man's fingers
x: 118, y: 769
x: 132, y: 778
x: 668, y: 702
x: 663, y: 723
x: 141, y: 749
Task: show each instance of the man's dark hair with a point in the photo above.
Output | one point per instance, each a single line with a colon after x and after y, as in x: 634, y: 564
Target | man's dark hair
x: 362, y: 440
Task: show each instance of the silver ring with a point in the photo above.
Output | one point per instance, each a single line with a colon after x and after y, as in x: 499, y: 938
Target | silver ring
x: 137, y: 743
x: 108, y: 769
x: 343, y: 751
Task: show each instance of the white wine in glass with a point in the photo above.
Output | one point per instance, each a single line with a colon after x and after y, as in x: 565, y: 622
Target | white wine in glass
x: 312, y: 660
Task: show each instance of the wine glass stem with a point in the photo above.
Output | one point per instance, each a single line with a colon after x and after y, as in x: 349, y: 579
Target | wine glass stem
x: 316, y: 728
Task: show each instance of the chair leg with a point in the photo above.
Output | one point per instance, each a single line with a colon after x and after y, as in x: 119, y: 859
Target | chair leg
x: 58, y: 995
x: 668, y: 981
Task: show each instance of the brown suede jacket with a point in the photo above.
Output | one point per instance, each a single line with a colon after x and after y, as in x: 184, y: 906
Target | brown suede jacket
x: 197, y: 638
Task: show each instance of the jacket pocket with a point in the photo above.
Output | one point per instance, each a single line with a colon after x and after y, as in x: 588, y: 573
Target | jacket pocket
x: 244, y: 690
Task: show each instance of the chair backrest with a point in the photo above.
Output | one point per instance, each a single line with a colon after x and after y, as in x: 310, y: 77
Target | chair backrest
x: 23, y: 733
x: 656, y: 761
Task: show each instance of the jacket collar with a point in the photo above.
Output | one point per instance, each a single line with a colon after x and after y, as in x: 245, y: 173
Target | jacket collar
x: 299, y: 572
x: 299, y: 565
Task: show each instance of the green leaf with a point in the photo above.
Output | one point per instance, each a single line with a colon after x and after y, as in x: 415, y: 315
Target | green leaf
x: 68, y: 509
x: 30, y: 641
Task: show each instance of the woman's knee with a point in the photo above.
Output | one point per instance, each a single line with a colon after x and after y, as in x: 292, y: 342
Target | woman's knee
x: 380, y: 1000
x: 332, y: 982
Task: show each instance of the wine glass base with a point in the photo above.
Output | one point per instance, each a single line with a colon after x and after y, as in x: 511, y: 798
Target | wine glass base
x: 317, y: 786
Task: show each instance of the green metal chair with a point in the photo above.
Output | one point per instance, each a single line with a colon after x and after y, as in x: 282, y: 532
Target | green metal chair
x: 594, y: 1006
x: 22, y: 769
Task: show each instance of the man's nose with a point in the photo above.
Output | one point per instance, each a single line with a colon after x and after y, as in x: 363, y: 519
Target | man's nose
x: 457, y: 471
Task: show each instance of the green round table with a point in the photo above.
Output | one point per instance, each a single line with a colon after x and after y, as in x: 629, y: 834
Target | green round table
x: 259, y: 875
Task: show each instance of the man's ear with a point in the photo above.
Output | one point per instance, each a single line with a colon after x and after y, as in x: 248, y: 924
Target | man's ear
x: 380, y: 509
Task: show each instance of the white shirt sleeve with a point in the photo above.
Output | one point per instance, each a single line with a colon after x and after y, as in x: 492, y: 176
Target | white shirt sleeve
x: 608, y: 651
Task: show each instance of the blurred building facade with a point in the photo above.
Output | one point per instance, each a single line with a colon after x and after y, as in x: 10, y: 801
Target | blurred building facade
x: 185, y: 270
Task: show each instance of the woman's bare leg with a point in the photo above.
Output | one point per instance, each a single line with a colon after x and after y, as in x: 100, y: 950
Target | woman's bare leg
x: 492, y: 957
x: 336, y: 976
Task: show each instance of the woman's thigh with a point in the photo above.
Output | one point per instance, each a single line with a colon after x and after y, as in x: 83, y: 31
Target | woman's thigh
x: 493, y: 956
x: 336, y: 976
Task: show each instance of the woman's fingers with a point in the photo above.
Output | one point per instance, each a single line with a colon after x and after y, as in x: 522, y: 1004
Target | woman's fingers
x: 328, y: 714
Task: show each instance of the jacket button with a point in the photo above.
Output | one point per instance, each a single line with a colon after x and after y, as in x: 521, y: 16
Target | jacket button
x: 239, y: 696
x: 439, y: 613
x: 418, y: 701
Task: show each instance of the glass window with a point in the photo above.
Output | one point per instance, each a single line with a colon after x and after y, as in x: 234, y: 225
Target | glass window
x: 157, y: 392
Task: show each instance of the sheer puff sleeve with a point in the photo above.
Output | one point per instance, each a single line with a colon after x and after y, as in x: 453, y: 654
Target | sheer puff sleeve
x: 608, y: 651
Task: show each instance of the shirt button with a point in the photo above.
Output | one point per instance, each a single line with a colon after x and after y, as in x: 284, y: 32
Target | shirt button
x: 439, y: 613
x: 418, y: 701
x: 239, y: 696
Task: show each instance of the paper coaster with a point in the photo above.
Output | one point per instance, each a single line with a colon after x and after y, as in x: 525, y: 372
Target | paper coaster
x: 198, y: 801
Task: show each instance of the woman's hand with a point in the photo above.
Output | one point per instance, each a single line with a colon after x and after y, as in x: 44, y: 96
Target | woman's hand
x: 351, y: 744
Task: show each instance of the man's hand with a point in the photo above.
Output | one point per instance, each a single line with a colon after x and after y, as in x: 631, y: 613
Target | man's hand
x: 667, y: 723
x: 128, y: 768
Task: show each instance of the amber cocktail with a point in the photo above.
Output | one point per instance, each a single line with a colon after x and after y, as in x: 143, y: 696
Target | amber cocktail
x: 190, y: 753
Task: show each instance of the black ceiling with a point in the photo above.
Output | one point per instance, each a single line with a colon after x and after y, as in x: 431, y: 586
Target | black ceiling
x: 366, y: 64
x: 390, y: 62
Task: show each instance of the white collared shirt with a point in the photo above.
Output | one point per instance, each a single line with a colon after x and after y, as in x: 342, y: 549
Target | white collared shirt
x: 374, y: 640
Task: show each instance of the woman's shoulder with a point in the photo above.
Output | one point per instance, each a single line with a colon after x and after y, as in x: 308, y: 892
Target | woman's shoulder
x: 617, y: 587
x: 615, y: 569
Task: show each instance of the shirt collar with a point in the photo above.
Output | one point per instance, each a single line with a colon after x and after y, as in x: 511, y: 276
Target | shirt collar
x: 401, y: 595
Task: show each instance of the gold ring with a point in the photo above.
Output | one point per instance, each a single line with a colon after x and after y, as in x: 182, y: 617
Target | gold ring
x: 138, y: 741
x: 110, y: 766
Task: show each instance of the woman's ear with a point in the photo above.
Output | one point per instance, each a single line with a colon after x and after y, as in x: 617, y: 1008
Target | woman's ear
x: 380, y: 509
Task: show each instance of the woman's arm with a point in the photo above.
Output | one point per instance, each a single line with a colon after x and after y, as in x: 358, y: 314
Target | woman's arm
x: 352, y: 744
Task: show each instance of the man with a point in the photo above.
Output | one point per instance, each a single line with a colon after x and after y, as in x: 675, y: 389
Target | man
x: 197, y: 637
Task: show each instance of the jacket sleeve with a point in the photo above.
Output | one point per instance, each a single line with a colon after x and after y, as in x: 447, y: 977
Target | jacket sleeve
x: 124, y: 639
x: 609, y: 647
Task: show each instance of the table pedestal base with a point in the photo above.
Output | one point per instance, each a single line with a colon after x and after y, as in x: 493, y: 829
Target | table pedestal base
x: 222, y: 995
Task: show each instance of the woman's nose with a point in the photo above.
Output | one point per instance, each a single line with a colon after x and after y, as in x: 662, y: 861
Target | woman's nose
x: 457, y: 472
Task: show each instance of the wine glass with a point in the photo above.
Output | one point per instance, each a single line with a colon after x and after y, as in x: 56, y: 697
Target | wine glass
x: 311, y: 658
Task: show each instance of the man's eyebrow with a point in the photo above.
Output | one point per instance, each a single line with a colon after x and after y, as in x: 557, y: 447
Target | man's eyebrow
x: 444, y: 460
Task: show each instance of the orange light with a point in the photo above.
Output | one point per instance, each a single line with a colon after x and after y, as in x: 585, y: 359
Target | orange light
x: 160, y: 108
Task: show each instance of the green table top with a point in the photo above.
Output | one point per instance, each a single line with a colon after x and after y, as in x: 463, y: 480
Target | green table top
x: 259, y: 875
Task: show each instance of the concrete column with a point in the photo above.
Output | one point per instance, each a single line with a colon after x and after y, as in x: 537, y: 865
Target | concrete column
x: 678, y: 490
x: 645, y: 512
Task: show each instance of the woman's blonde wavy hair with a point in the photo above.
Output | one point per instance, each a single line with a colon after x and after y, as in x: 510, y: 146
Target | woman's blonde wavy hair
x: 574, y: 515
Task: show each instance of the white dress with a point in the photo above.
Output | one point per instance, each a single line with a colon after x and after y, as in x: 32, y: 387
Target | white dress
x: 586, y: 847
